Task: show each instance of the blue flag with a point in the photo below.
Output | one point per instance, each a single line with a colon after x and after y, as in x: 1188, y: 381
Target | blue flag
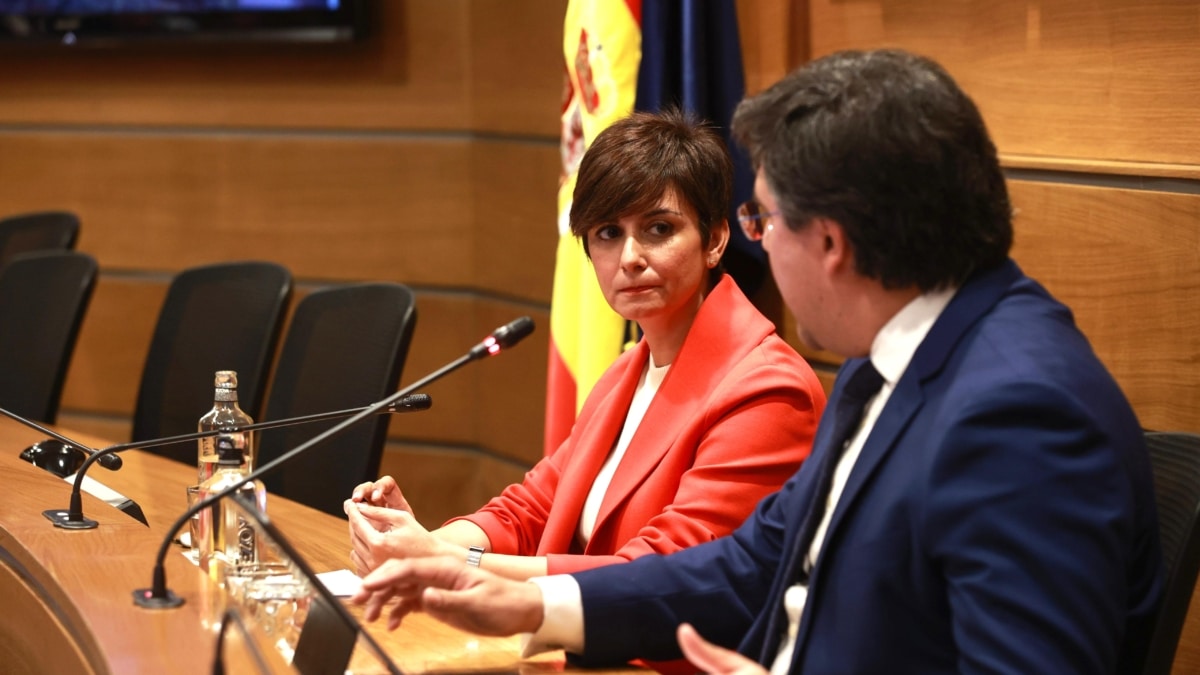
x: 692, y: 59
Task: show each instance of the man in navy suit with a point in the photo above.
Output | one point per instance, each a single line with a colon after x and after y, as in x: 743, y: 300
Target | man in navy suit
x: 992, y: 508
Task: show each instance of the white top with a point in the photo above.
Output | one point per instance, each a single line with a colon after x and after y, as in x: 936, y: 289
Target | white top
x: 652, y: 377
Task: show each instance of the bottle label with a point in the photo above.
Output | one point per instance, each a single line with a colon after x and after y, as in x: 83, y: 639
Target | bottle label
x: 245, y: 542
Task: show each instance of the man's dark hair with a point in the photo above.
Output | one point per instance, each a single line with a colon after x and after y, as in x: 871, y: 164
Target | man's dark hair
x: 885, y: 144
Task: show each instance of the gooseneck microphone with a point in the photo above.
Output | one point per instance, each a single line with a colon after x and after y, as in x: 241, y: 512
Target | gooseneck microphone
x: 158, y: 596
x: 73, y: 519
x: 502, y: 338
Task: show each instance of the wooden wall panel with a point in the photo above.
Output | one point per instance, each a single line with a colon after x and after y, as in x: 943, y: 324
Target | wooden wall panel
x: 327, y: 207
x: 111, y: 350
x: 1083, y: 79
x: 514, y: 233
x: 1128, y: 264
x: 510, y: 393
x: 774, y: 37
x: 333, y: 207
x: 516, y: 59
x: 495, y: 404
x: 446, y: 328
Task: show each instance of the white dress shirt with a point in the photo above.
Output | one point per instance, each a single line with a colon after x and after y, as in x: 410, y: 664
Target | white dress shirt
x: 891, y: 351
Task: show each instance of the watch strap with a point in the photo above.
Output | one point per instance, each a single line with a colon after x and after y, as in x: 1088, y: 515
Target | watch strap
x: 474, y: 555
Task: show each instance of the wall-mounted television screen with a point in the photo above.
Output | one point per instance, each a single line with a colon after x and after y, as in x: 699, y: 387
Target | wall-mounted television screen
x: 109, y: 22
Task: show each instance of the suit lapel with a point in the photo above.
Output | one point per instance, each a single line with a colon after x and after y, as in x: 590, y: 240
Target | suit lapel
x: 764, y: 635
x: 597, y: 435
x: 725, y: 329
x: 904, y: 402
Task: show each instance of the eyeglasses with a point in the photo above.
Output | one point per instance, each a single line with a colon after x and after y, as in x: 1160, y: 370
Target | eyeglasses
x: 753, y: 219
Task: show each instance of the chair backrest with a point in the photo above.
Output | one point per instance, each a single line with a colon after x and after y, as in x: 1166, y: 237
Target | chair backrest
x: 345, y: 348
x: 43, y: 297
x: 1175, y: 458
x: 40, y: 231
x: 226, y: 316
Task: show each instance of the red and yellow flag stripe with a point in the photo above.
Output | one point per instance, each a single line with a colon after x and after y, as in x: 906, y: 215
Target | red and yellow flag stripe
x: 602, y: 50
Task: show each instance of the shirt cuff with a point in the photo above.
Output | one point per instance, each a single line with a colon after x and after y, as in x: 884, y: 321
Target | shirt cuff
x: 562, y: 622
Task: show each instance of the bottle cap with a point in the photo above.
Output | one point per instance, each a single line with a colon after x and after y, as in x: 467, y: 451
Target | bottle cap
x: 226, y: 379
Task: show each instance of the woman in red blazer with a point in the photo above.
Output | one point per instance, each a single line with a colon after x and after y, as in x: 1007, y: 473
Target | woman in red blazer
x: 686, y: 431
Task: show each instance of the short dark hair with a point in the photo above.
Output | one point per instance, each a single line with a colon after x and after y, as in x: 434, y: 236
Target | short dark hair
x: 885, y: 144
x: 635, y: 160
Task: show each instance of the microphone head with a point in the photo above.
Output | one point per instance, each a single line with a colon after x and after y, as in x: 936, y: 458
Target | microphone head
x: 111, y: 461
x: 413, y: 402
x: 504, y: 337
x: 513, y: 332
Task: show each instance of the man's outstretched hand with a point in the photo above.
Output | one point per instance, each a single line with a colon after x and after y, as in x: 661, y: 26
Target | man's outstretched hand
x: 710, y: 658
x: 452, y: 592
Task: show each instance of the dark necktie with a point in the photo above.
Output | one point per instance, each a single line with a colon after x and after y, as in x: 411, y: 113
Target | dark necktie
x: 862, y: 385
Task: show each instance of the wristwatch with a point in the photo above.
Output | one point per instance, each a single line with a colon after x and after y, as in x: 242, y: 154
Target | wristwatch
x: 474, y: 554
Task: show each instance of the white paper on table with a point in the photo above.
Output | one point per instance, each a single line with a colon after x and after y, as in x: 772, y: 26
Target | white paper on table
x: 342, y: 583
x: 99, y: 490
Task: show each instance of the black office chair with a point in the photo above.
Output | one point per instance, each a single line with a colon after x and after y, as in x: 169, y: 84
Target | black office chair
x: 345, y: 348
x: 225, y: 316
x: 39, y: 231
x: 1175, y: 458
x: 43, y: 297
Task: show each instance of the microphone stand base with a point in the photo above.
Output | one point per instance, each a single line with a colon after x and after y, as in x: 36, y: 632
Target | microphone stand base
x: 145, y: 598
x: 62, y: 518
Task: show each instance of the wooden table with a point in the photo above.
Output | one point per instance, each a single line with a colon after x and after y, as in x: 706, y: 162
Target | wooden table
x: 67, y: 595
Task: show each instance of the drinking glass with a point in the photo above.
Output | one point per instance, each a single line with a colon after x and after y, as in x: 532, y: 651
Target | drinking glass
x: 275, y: 597
x: 193, y: 495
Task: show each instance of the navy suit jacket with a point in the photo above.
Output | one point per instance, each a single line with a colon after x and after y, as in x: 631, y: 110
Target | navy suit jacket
x: 1000, y: 519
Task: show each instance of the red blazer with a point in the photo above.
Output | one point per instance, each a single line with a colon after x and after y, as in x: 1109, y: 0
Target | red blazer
x: 731, y: 422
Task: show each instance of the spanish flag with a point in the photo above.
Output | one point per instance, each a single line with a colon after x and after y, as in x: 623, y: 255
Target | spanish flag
x: 623, y: 55
x: 602, y: 46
